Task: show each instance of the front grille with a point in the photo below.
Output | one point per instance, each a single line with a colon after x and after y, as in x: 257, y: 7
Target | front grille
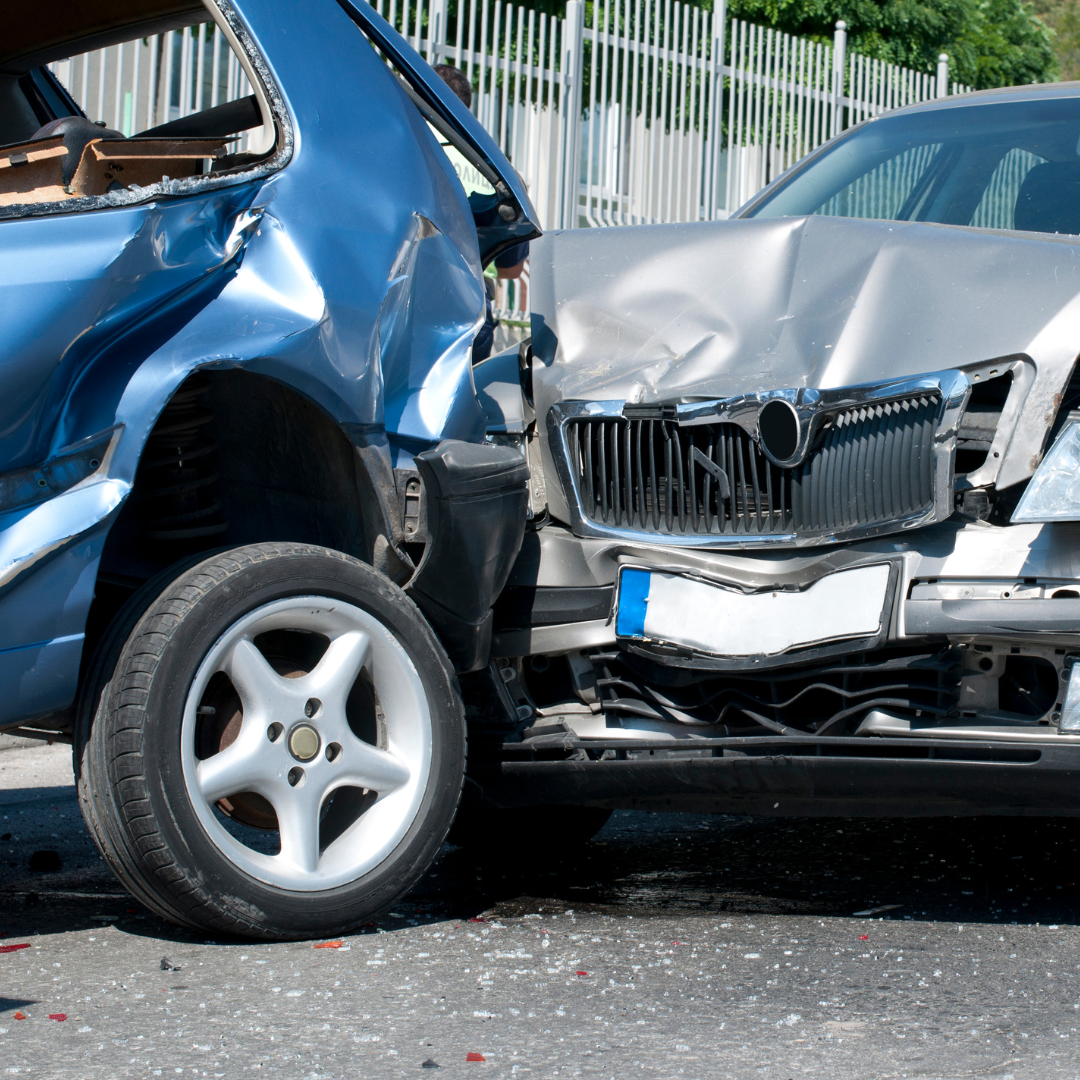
x: 874, y: 464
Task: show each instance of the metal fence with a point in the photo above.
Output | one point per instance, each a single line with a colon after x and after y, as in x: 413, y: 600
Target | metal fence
x: 149, y: 81
x: 658, y: 111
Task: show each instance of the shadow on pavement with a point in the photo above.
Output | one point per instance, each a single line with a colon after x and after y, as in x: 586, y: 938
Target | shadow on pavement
x: 991, y: 870
x: 957, y: 869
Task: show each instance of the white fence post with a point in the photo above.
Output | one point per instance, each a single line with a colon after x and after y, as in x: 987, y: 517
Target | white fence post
x: 715, y: 128
x: 573, y: 66
x: 838, y: 58
x: 943, y: 75
x: 436, y: 32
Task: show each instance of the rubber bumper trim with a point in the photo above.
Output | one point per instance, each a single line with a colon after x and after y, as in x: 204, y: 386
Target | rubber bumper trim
x: 905, y: 778
x: 477, y: 499
x: 1043, y: 616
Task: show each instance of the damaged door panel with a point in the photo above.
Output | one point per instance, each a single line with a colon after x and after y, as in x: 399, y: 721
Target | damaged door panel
x: 240, y: 408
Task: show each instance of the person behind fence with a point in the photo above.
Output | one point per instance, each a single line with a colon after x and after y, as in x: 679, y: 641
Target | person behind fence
x: 482, y: 199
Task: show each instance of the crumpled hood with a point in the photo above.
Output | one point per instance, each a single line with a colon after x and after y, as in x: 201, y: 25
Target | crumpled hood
x: 676, y: 312
x: 699, y: 311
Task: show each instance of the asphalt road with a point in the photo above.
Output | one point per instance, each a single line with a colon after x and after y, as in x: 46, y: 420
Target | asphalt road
x: 671, y: 946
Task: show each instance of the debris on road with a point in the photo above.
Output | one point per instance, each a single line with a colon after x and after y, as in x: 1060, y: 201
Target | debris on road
x: 431, y: 1063
x: 58, y: 1016
x: 876, y: 910
x: 45, y: 862
x: 168, y: 965
x: 472, y: 1056
x: 14, y: 948
x: 328, y: 944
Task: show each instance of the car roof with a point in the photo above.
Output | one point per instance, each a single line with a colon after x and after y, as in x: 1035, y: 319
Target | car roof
x: 997, y: 96
x: 46, y: 30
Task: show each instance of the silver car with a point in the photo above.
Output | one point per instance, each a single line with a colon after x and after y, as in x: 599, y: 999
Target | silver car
x: 806, y: 489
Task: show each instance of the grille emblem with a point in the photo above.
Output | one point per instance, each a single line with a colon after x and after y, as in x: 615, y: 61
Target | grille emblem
x: 778, y: 428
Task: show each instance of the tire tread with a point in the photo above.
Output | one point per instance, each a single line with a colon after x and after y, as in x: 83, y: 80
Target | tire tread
x: 111, y: 772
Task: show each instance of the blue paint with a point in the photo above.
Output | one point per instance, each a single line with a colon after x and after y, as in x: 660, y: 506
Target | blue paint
x: 633, y: 602
x: 348, y: 268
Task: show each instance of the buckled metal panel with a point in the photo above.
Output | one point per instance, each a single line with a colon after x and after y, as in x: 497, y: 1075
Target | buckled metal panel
x: 873, y: 464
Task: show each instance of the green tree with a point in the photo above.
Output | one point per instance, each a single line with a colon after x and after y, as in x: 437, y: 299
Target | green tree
x: 1063, y: 17
x: 989, y: 42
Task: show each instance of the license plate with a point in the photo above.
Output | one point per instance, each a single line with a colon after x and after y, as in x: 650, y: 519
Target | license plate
x: 673, y: 609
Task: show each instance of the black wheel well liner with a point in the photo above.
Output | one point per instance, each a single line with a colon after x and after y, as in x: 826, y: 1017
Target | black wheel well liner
x: 283, y: 470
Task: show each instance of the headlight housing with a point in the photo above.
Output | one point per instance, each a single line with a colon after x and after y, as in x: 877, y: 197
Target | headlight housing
x: 1053, y: 493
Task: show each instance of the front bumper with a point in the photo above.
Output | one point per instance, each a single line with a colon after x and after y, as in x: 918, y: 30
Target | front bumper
x: 785, y: 776
x: 1018, y: 577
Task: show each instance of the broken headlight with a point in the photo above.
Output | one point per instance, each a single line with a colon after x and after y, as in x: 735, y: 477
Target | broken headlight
x: 25, y: 487
x: 1053, y: 493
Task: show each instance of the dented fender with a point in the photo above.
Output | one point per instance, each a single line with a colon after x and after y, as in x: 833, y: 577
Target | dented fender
x: 348, y: 270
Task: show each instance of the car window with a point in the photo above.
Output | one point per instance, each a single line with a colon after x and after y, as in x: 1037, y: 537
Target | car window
x: 883, y: 191
x: 999, y: 165
x: 997, y: 207
x: 150, y: 110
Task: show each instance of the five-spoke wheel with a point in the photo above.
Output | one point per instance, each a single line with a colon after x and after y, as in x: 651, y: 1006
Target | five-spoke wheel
x: 338, y: 754
x: 271, y: 744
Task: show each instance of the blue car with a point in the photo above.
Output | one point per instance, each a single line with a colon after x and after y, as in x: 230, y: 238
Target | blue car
x: 251, y: 529
x: 773, y: 515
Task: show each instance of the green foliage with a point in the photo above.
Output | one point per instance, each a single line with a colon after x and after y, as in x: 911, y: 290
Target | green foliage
x: 1063, y: 17
x: 989, y: 42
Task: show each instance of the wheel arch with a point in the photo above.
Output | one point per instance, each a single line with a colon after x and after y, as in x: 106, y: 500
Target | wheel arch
x: 266, y: 464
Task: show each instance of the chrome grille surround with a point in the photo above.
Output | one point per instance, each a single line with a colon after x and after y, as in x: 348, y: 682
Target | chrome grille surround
x: 870, y: 460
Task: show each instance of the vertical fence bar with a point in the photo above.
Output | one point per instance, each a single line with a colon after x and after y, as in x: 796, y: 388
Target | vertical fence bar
x: 839, y: 49
x: 633, y: 186
x: 735, y: 35
x: 591, y: 115
x: 436, y: 32
x: 505, y: 65
x: 607, y: 104
x: 621, y: 71
x: 102, y: 64
x: 200, y: 68
x: 118, y: 92
x: 522, y: 81
x: 215, y: 65
x: 185, y: 72
x: 472, y: 40
x: 573, y: 64
x: 493, y: 70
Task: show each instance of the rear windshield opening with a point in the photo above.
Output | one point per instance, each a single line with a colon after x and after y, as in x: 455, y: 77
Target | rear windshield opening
x: 138, y: 112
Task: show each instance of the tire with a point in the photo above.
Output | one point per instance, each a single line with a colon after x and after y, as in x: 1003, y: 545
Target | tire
x: 529, y: 832
x: 272, y: 744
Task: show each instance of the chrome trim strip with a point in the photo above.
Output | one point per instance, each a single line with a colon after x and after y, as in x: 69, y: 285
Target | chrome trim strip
x: 813, y: 408
x: 53, y: 525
